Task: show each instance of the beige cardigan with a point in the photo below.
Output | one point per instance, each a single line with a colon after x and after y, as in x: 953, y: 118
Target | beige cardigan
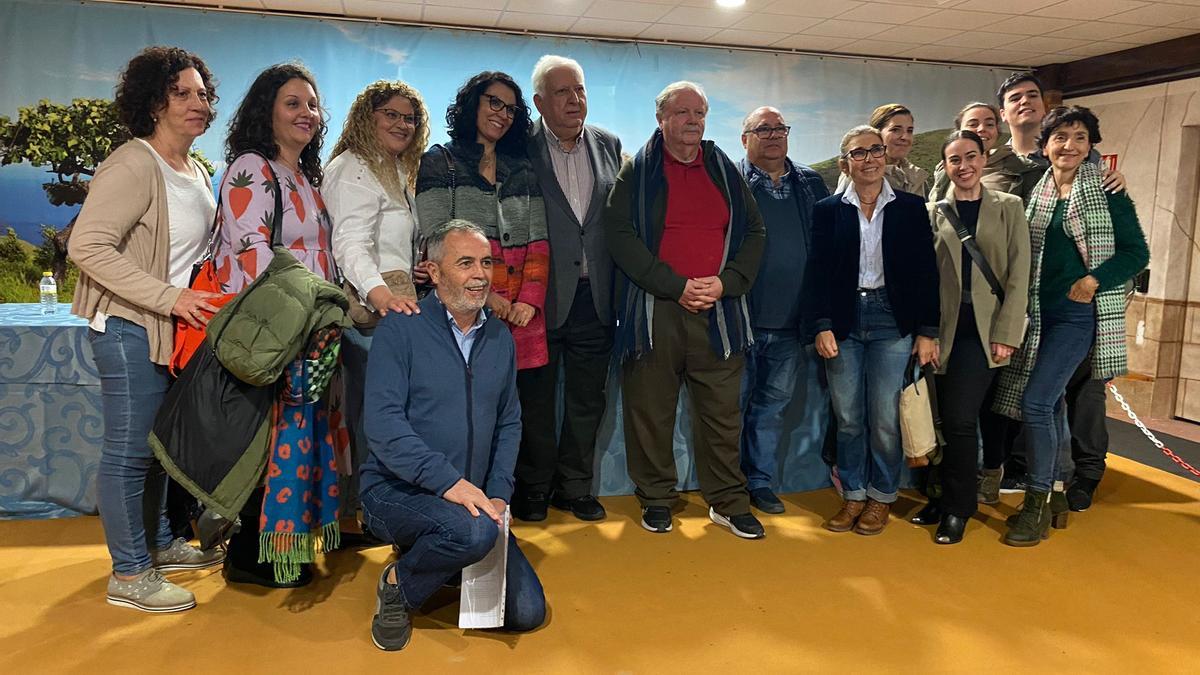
x: 1003, y: 237
x: 121, y: 243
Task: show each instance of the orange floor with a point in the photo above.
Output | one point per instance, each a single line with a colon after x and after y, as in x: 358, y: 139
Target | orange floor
x: 1115, y: 592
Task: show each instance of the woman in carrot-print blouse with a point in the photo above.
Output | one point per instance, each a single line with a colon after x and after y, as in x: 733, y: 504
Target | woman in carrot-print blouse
x: 275, y: 139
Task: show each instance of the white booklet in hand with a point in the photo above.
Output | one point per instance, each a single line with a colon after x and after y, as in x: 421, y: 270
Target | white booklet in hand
x: 481, y: 602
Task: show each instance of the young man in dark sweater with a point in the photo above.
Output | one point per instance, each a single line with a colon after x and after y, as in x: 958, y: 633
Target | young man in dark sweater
x: 444, y: 424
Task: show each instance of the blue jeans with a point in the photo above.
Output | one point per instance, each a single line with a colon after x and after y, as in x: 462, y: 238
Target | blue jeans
x: 1068, y: 331
x: 131, y: 486
x: 767, y: 386
x: 355, y: 347
x: 865, y: 379
x: 442, y: 538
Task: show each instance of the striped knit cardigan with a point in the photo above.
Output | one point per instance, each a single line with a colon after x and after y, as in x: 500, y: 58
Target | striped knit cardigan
x: 513, y: 216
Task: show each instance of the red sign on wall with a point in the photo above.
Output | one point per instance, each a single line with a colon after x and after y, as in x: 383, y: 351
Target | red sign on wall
x: 1109, y: 161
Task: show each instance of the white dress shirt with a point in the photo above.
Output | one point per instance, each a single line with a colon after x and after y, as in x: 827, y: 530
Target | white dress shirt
x: 870, y: 236
x: 373, y: 232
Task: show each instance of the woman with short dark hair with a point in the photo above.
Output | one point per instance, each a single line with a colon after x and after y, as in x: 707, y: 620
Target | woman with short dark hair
x: 145, y: 222
x: 484, y: 176
x: 1086, y: 244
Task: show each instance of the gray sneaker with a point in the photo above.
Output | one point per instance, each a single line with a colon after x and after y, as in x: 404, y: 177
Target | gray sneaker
x: 149, y: 592
x: 989, y: 485
x: 181, y: 555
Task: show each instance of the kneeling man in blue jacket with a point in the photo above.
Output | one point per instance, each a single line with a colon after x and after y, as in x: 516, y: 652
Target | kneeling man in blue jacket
x: 444, y: 425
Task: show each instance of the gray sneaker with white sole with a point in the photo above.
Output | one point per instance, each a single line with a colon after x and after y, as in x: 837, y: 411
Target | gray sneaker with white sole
x: 149, y: 592
x: 181, y: 555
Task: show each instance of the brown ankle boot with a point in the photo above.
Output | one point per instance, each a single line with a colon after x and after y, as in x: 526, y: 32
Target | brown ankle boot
x: 846, y: 517
x: 873, y: 519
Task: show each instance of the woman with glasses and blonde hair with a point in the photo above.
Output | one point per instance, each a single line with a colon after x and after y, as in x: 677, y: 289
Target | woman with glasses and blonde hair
x: 872, y: 298
x: 368, y: 191
x: 484, y: 176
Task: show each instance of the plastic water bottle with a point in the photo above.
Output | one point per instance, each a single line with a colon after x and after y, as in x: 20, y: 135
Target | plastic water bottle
x: 49, y: 293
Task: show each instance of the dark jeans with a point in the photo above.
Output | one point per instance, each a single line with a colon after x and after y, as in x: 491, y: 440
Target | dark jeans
x: 556, y: 461
x: 131, y: 486
x: 772, y: 363
x: 683, y: 354
x: 356, y: 345
x: 1068, y: 331
x: 963, y: 393
x: 442, y: 538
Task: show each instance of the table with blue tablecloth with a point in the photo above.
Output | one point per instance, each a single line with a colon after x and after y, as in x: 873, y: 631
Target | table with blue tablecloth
x: 50, y: 422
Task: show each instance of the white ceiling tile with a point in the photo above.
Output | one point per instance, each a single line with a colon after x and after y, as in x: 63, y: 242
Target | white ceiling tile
x: 1003, y: 57
x: 752, y: 38
x: 552, y: 23
x: 879, y: 47
x: 613, y: 27
x: 1098, y: 30
x: 461, y: 16
x: 1090, y: 9
x: 939, y: 53
x: 1159, y: 14
x: 1152, y: 35
x: 980, y: 40
x: 814, y: 43
x: 469, y: 4
x: 954, y: 18
x: 846, y: 29
x: 824, y: 9
x: 916, y: 34
x: 249, y: 4
x: 698, y: 16
x: 1046, y: 44
x: 574, y: 8
x: 666, y: 31
x: 1095, y: 49
x: 395, y: 11
x: 1030, y: 25
x: 776, y: 22
x: 922, y: 3
x: 333, y: 7
x: 626, y: 11
x: 885, y: 13
x: 1007, y: 6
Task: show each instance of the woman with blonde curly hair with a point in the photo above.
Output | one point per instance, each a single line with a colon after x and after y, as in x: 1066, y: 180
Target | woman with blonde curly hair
x: 369, y: 193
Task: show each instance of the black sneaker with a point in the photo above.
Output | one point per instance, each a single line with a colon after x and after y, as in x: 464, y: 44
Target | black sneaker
x: 586, y: 507
x: 1079, y: 494
x: 1012, y: 484
x: 530, y: 508
x: 764, y: 500
x: 744, y: 525
x: 656, y: 518
x: 391, y: 627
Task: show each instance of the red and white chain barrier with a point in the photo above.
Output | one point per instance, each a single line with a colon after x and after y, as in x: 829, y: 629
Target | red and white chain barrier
x: 1149, y: 434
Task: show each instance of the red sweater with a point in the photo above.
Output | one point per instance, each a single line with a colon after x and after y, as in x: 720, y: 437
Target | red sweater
x: 693, y: 238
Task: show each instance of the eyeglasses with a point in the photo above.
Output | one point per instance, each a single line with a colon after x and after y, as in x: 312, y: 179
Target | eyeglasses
x: 395, y: 116
x: 497, y: 104
x: 765, y: 132
x: 859, y: 154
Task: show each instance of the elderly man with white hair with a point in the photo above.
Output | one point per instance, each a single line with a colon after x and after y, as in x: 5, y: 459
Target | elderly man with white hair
x: 575, y: 164
x: 684, y: 229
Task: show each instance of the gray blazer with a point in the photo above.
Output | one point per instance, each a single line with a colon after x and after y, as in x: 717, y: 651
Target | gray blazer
x: 569, y: 238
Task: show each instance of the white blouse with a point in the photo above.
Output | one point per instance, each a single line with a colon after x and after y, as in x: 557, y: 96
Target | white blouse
x: 373, y: 233
x: 870, y: 236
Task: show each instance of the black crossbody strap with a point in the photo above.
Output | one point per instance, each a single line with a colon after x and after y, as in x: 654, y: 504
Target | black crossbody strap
x: 453, y: 177
x: 972, y: 248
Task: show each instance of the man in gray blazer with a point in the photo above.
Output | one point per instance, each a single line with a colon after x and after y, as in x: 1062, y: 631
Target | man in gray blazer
x: 576, y: 165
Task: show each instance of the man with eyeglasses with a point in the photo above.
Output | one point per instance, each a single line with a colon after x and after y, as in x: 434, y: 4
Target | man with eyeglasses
x: 685, y: 231
x: 575, y: 164
x: 785, y: 193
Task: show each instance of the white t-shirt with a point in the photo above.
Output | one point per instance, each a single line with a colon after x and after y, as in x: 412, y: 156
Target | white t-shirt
x: 190, y: 211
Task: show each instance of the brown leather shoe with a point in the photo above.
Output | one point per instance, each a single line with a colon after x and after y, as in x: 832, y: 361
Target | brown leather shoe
x: 844, y: 520
x: 873, y: 519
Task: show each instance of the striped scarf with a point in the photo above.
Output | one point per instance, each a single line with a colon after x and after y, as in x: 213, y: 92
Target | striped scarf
x: 1088, y: 223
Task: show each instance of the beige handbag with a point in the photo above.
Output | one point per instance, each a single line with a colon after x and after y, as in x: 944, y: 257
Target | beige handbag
x: 398, y: 282
x: 919, y: 431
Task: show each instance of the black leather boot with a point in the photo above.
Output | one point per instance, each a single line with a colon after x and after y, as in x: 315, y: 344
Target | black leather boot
x: 1079, y: 495
x: 1033, y: 522
x: 950, y: 530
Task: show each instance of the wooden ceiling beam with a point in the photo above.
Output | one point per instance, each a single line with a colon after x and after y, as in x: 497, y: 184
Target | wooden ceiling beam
x: 1150, y: 64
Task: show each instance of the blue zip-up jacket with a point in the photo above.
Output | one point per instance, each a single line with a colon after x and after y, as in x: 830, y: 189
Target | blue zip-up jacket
x: 431, y: 418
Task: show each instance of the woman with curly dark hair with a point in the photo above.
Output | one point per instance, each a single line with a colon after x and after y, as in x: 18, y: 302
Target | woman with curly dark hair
x: 274, y: 145
x: 147, y: 217
x: 484, y: 176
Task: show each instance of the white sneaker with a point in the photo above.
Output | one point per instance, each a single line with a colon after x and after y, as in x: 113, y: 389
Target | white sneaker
x: 149, y: 592
x: 181, y: 555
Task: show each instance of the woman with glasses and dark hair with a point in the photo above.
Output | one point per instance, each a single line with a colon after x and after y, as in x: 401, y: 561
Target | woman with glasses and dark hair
x: 274, y: 143
x: 895, y: 125
x: 368, y: 190
x: 1086, y: 243
x: 146, y: 219
x: 484, y: 176
x: 980, y: 328
x: 872, y: 297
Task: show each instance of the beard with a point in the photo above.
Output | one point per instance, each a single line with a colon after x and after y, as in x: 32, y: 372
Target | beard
x: 458, y: 301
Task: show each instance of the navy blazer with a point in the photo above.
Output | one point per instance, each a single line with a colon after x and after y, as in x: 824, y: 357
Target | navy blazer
x: 909, y: 267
